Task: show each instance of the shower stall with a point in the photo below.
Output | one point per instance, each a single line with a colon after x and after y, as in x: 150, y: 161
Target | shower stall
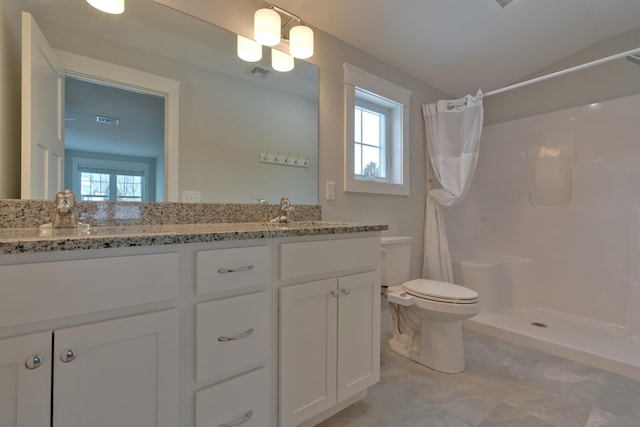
x: 549, y: 235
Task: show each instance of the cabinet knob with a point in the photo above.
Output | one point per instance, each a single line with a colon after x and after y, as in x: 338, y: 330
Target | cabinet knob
x: 33, y: 361
x: 335, y: 294
x: 68, y: 355
x: 238, y: 422
x: 346, y: 291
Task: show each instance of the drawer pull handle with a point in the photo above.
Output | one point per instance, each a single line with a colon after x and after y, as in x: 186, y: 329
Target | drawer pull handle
x: 33, y: 362
x: 235, y: 270
x: 238, y: 422
x: 237, y: 337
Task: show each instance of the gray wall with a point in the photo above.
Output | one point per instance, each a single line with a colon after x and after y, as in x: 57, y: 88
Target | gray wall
x: 404, y: 215
x: 607, y: 81
x: 214, y: 142
x: 10, y: 47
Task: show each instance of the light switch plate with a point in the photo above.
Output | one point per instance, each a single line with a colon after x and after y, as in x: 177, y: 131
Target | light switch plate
x: 190, y: 196
x: 330, y: 190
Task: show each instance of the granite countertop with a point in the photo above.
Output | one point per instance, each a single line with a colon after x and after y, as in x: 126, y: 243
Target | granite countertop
x: 29, y: 240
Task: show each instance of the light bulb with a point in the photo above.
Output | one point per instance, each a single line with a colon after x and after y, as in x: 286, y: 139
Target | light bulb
x: 109, y: 6
x: 266, y: 27
x: 301, y: 39
x: 281, y: 61
x: 249, y: 50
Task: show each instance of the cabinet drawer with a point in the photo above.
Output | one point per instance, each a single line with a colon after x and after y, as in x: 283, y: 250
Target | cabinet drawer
x: 226, y: 269
x: 305, y: 259
x: 50, y: 290
x: 232, y: 335
x: 230, y: 402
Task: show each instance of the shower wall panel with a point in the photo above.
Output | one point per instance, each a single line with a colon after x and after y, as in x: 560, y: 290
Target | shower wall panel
x: 563, y: 190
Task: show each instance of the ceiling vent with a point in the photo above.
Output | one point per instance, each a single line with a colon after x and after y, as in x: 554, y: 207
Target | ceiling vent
x: 503, y: 3
x: 107, y: 120
x: 259, y: 71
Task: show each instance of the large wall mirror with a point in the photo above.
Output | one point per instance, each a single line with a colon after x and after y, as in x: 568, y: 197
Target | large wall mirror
x: 246, y: 132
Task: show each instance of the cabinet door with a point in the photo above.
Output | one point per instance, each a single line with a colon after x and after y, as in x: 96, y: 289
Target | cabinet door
x: 121, y: 372
x: 25, y: 380
x: 308, y: 353
x: 358, y: 333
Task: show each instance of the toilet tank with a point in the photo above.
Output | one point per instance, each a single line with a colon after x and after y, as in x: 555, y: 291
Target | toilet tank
x: 395, y: 259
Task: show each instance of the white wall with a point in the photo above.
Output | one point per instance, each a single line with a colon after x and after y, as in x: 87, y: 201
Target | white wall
x: 10, y: 47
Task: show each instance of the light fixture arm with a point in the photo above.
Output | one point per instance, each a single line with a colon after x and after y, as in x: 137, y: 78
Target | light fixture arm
x: 292, y: 18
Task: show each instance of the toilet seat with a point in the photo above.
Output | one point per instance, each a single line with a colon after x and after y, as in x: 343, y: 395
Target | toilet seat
x: 444, y: 292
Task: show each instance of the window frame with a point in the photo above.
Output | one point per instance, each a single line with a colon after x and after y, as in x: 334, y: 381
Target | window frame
x: 363, y: 88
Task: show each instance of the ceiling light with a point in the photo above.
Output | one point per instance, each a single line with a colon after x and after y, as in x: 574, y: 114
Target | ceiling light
x: 301, y: 42
x: 249, y: 50
x: 266, y: 27
x: 281, y: 61
x: 109, y: 6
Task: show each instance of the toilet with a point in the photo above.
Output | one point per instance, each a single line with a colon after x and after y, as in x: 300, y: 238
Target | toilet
x: 426, y: 314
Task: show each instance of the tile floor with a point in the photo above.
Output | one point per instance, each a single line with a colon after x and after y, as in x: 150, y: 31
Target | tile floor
x: 504, y: 385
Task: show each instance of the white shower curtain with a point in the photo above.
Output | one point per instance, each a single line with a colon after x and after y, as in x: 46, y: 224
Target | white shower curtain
x: 453, y: 129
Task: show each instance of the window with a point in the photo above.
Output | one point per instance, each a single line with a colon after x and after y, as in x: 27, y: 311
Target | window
x: 96, y: 176
x: 370, y: 154
x: 376, y: 134
x: 111, y: 185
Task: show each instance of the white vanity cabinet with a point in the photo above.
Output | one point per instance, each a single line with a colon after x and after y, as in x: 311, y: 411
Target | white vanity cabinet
x: 232, y: 337
x: 274, y: 332
x: 117, y: 372
x: 25, y: 380
x: 329, y: 329
x: 121, y: 370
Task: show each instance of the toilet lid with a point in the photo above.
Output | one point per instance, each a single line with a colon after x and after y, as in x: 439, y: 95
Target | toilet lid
x: 440, y: 291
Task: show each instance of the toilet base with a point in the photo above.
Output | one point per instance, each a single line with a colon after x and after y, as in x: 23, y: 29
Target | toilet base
x: 439, y: 346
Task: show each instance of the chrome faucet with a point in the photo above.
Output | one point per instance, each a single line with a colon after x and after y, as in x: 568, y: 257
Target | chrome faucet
x: 286, y: 211
x: 65, y: 216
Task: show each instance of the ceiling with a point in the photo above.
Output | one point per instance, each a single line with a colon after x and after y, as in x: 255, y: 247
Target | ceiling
x: 140, y: 128
x: 458, y: 46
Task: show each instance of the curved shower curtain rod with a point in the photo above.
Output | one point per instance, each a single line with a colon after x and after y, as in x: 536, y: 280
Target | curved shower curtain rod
x: 628, y: 53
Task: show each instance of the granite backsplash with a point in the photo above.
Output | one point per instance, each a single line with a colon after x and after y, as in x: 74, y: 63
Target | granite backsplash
x: 33, y: 213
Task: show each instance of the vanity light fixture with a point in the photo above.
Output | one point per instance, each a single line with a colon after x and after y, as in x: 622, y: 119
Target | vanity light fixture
x: 266, y: 27
x: 281, y: 61
x: 249, y: 50
x: 268, y: 30
x: 114, y: 7
x: 301, y: 42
